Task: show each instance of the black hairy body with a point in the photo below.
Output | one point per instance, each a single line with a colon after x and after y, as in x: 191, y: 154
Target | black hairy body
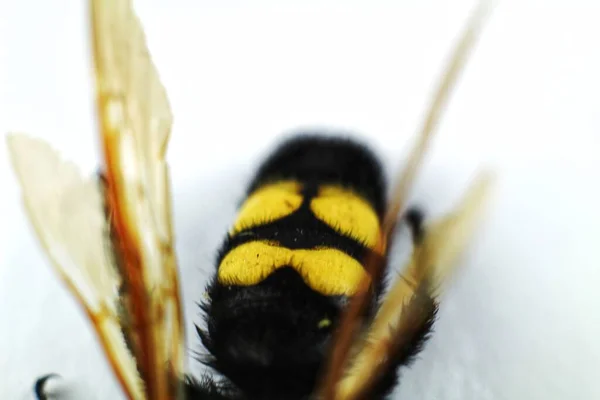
x: 265, y: 340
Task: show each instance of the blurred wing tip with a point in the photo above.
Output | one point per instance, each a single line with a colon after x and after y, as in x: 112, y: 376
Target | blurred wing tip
x: 483, y: 186
x: 488, y: 174
x: 28, y: 153
x: 22, y: 147
x: 15, y: 139
x: 482, y: 13
x: 18, y: 140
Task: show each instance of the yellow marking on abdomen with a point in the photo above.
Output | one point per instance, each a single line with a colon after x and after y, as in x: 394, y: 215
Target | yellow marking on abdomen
x: 328, y: 271
x: 268, y: 204
x: 347, y: 213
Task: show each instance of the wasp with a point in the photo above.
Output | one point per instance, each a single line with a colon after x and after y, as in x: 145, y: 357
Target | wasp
x: 296, y: 308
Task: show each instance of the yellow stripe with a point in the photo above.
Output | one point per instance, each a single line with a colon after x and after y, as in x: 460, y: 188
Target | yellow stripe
x: 347, y: 213
x: 341, y: 209
x: 268, y: 204
x: 327, y: 271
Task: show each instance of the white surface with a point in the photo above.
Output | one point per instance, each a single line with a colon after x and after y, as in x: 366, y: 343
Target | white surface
x: 521, y: 320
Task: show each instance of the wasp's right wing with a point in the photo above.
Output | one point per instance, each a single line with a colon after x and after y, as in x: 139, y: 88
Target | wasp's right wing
x: 339, y: 383
x: 67, y: 212
x: 412, y: 300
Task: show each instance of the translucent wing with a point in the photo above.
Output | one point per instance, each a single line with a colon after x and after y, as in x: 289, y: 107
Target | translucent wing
x: 67, y: 213
x: 135, y: 123
x: 112, y: 239
x: 351, y: 321
x: 410, y: 302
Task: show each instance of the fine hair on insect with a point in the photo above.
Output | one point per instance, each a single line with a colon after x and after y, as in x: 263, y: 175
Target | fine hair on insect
x: 297, y: 306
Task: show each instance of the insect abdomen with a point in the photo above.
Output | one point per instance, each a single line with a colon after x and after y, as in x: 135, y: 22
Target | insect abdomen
x: 292, y: 257
x: 315, y: 206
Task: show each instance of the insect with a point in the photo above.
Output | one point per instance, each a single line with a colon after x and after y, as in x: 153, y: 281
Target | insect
x: 296, y: 308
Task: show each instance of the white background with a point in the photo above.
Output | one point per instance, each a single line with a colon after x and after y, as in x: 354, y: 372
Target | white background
x: 521, y: 319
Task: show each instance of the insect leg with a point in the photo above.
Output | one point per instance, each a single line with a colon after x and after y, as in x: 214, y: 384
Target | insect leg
x: 414, y: 218
x: 40, y: 385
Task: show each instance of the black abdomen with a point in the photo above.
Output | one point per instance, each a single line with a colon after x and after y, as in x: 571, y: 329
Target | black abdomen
x: 288, y: 265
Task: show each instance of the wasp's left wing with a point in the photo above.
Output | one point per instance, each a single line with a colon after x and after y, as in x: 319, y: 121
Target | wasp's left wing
x: 67, y: 212
x: 112, y: 240
x: 135, y: 124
